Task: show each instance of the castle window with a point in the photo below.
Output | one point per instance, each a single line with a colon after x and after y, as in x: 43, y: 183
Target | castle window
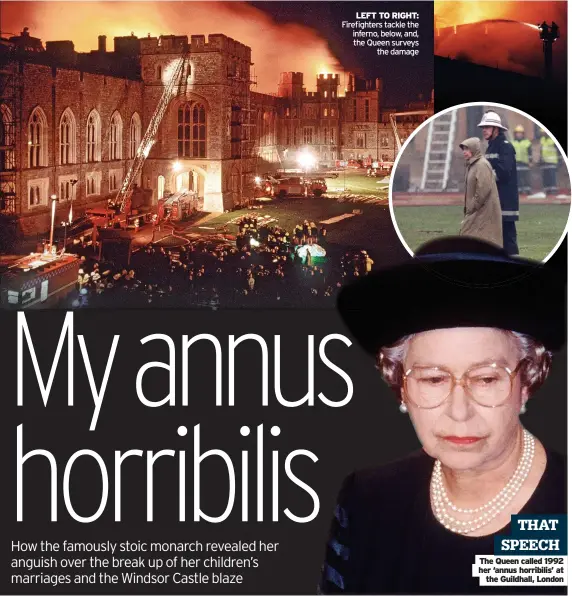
x: 67, y: 138
x: 37, y: 139
x: 159, y: 72
x: 367, y: 109
x: 38, y: 192
x: 93, y: 137
x: 34, y: 195
x: 115, y: 137
x: 199, y: 131
x: 184, y: 130
x: 7, y: 157
x: 93, y: 183
x: 355, y: 108
x: 192, y: 131
x: 325, y: 112
x: 115, y: 179
x: 332, y: 112
x: 308, y: 135
x: 360, y: 140
x: 134, y: 135
x: 325, y: 94
x: 67, y: 188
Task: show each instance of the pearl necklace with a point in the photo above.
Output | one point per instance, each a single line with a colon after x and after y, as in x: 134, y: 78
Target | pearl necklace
x: 442, y: 504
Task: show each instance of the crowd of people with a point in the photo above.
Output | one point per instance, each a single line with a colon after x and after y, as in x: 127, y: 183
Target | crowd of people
x: 273, y: 270
x: 303, y: 233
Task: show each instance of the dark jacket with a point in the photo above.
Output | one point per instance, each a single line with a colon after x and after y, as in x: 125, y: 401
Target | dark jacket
x: 502, y: 158
x: 384, y: 538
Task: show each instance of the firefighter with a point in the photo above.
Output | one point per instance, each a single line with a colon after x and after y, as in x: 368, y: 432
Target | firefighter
x: 548, y: 162
x: 502, y: 157
x: 523, y: 149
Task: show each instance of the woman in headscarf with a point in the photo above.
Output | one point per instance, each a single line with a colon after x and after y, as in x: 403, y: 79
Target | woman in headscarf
x: 482, y: 212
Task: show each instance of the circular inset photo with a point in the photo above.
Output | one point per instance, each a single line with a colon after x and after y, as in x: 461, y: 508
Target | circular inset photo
x: 485, y: 171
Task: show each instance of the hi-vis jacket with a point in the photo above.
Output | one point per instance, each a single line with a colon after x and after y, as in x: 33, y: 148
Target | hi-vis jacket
x: 501, y: 156
x: 548, y: 151
x: 523, y: 149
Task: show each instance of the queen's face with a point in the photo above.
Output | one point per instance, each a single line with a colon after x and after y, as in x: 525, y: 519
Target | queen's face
x: 461, y: 433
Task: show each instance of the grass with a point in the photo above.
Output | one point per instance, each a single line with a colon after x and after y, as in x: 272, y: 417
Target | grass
x: 358, y: 183
x: 539, y: 228
x: 371, y: 230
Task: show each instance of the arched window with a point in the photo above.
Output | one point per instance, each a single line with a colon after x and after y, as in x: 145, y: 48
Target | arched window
x: 115, y: 137
x: 184, y: 130
x: 67, y: 138
x: 134, y: 135
x: 37, y: 139
x: 93, y: 137
x: 159, y: 72
x: 34, y: 198
x: 7, y: 157
x: 199, y: 131
x: 192, y: 131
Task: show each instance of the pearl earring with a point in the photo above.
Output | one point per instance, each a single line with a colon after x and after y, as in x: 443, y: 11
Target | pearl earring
x: 403, y: 407
x: 523, y: 409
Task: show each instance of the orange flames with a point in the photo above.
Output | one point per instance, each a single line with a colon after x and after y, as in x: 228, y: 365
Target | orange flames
x: 275, y: 47
x: 463, y: 12
x: 513, y: 45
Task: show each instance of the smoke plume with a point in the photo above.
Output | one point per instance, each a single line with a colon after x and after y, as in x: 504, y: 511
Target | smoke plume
x: 275, y: 48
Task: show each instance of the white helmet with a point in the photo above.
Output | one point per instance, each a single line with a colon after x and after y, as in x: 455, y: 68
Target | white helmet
x: 491, y: 119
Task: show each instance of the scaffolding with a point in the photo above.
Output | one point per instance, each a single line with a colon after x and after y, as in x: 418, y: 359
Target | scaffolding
x: 242, y: 123
x: 9, y: 127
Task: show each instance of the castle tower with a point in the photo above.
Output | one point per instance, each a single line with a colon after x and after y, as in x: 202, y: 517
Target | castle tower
x: 291, y: 85
x: 328, y: 85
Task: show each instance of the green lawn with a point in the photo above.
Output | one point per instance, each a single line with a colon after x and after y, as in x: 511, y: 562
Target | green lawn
x: 539, y: 228
x: 372, y: 229
x: 359, y: 183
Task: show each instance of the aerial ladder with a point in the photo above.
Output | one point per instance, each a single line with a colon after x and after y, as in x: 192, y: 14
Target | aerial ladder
x: 123, y: 199
x: 393, y: 119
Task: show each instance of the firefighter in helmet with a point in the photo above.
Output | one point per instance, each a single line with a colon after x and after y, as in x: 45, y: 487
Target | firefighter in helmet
x: 502, y: 157
x: 523, y: 149
x: 549, y: 161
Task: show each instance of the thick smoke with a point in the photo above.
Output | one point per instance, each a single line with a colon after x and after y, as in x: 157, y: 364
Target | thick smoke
x: 508, y: 46
x: 275, y: 48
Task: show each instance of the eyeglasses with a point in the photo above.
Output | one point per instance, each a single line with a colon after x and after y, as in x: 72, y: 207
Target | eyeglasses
x: 489, y: 385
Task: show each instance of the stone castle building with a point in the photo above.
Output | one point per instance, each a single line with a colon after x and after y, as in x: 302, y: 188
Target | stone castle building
x: 72, y: 122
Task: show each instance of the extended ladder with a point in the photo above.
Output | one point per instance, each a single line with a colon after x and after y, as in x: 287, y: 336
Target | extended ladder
x: 149, y: 138
x: 438, y: 152
x: 393, y: 119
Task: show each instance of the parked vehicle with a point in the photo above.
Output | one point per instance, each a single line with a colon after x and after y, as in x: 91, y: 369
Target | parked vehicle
x: 105, y: 218
x: 316, y: 186
x: 290, y: 186
x: 80, y: 229
x: 355, y: 164
x: 380, y: 169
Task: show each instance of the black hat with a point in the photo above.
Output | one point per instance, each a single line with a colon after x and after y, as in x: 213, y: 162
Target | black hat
x: 456, y: 282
